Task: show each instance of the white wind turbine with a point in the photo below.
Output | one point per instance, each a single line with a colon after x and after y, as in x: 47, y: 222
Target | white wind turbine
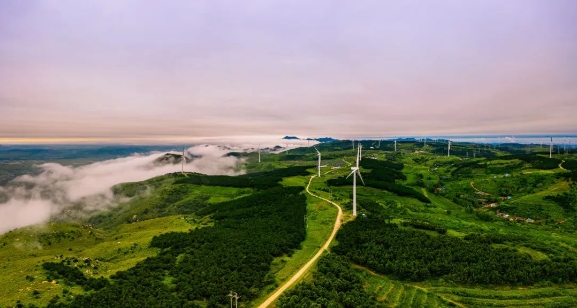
x: 353, y: 142
x: 319, y: 164
x: 551, y: 147
x: 355, y: 171
x: 360, y: 146
x: 449, y: 149
x: 259, y: 152
x: 395, y: 144
x: 183, y: 161
x: 380, y: 137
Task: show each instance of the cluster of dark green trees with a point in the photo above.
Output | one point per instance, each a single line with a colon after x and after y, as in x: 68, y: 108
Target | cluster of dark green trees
x: 72, y: 275
x: 170, y: 191
x: 424, y: 226
x: 203, y: 265
x: 261, y: 180
x: 383, y: 175
x: 415, y: 255
x: 335, y: 284
x: 566, y: 200
x: 536, y: 161
x: 465, y: 168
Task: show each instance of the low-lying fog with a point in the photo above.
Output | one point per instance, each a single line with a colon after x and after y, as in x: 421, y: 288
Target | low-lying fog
x: 31, y: 200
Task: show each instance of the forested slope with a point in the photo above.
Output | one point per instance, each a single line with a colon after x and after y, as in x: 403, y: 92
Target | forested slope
x: 416, y: 256
x: 202, y: 266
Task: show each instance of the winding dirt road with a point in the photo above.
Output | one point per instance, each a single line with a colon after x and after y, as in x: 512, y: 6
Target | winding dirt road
x: 479, y: 191
x: 305, y: 267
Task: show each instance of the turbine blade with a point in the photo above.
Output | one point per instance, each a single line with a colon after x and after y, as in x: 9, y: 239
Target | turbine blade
x: 351, y: 173
x: 360, y: 177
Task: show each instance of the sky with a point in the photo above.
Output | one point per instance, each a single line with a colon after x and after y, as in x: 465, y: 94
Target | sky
x: 168, y: 71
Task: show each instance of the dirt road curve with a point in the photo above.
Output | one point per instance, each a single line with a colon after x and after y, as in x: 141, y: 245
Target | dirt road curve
x: 479, y: 191
x: 305, y: 267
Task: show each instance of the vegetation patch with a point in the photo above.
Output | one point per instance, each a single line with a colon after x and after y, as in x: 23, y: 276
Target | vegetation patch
x: 335, y: 284
x: 417, y: 256
x: 235, y: 254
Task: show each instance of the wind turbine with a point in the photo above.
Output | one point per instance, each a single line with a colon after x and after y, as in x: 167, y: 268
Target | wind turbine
x: 395, y: 144
x: 319, y: 165
x: 353, y: 142
x: 380, y: 137
x: 449, y: 149
x: 259, y: 152
x: 550, y: 147
x: 231, y: 295
x: 355, y: 171
x: 360, y: 146
x: 183, y: 161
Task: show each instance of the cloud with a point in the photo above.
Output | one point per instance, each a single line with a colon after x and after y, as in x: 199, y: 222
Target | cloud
x: 33, y: 199
x: 324, y: 68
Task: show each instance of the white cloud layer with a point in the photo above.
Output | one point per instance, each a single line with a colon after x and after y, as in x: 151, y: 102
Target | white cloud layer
x: 34, y: 199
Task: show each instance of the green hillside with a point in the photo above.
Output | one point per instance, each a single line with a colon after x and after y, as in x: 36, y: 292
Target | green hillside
x: 432, y: 231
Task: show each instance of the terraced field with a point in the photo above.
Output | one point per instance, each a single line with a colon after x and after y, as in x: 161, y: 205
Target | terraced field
x: 523, y: 297
x: 397, y: 294
x: 394, y: 293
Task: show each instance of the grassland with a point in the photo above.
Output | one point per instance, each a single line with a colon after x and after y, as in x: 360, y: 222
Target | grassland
x: 120, y: 240
x: 546, y: 237
x: 24, y: 250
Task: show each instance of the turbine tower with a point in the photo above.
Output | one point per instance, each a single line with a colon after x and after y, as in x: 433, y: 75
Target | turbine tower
x: 259, y: 152
x: 319, y: 164
x: 395, y: 145
x: 183, y: 160
x: 355, y: 171
x: 353, y: 142
x: 551, y: 147
x: 449, y: 149
x: 380, y: 137
x: 360, y: 146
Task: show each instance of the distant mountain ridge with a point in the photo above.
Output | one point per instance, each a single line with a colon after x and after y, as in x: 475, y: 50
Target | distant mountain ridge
x: 322, y: 139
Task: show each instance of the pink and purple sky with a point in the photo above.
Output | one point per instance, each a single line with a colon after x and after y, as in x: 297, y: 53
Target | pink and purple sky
x: 113, y: 70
